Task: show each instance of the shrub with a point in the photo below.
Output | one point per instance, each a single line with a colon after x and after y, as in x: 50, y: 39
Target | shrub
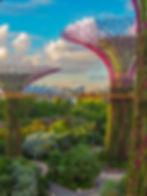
x: 20, y: 177
x: 60, y: 126
x: 73, y: 136
x: 25, y: 179
x: 75, y: 168
x: 35, y: 126
x: 5, y: 177
x: 65, y: 142
x: 73, y: 131
x: 39, y: 145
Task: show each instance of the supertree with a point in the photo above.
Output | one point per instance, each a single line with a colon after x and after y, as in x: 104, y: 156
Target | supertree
x: 113, y: 41
x: 138, y: 165
x: 13, y: 79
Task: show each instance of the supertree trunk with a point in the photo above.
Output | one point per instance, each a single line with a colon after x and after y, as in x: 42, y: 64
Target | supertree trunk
x: 137, y: 185
x: 14, y: 79
x: 13, y: 147
x: 119, y: 123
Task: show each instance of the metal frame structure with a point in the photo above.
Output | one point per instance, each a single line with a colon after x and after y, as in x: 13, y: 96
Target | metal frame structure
x: 116, y: 49
x: 13, y: 80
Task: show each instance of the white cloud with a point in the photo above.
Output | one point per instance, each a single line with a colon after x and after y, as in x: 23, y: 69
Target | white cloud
x: 3, y: 34
x: 73, y: 60
x: 3, y: 52
x: 55, y: 50
x: 22, y: 43
x: 13, y: 50
x: 69, y: 57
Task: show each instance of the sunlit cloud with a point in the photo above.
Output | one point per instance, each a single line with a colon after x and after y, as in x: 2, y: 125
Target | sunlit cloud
x: 69, y: 57
x: 3, y: 53
x: 22, y: 43
x: 55, y: 50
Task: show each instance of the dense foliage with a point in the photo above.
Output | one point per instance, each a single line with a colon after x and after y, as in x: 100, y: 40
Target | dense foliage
x: 71, y: 123
x: 75, y: 168
x: 21, y: 177
x: 65, y: 134
x: 90, y: 110
x: 62, y: 134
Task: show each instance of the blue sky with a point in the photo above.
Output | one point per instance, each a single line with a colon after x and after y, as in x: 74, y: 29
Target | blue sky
x: 49, y: 18
x: 36, y: 25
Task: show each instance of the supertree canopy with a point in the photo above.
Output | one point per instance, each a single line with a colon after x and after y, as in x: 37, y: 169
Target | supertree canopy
x: 13, y: 80
x: 113, y: 41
